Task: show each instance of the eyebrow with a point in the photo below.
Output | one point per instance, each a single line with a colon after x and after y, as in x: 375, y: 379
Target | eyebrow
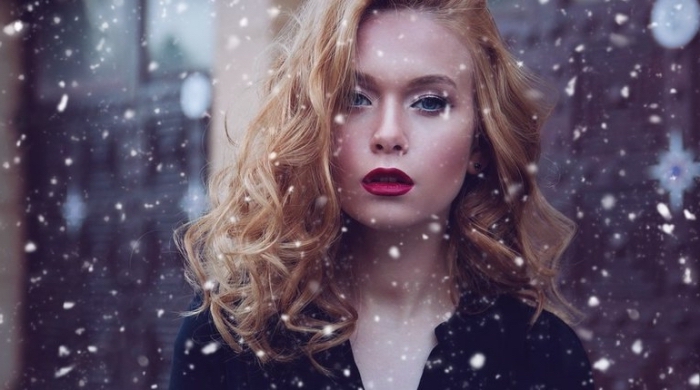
x: 367, y: 80
x: 432, y: 80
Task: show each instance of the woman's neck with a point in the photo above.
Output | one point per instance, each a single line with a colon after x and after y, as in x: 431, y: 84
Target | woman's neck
x: 403, y: 272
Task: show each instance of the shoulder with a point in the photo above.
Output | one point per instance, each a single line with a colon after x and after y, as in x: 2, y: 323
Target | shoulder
x: 548, y: 332
x: 553, y: 351
x: 496, y: 346
x: 200, y: 356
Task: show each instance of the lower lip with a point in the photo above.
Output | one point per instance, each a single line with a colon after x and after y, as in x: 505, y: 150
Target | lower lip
x: 387, y: 189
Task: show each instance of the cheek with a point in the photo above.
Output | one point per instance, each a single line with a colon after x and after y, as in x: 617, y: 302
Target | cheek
x: 344, y: 156
x: 452, y: 153
x: 456, y: 168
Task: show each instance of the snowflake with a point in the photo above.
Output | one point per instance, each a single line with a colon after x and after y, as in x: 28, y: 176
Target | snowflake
x: 74, y: 211
x: 676, y: 170
x: 194, y: 202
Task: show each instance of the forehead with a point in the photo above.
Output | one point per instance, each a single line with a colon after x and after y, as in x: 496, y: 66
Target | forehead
x: 399, y: 38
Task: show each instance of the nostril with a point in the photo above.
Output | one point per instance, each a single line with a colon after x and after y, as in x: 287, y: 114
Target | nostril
x: 380, y: 147
x: 397, y: 148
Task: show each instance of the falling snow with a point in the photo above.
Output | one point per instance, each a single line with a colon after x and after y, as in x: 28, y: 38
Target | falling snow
x: 668, y: 228
x: 625, y: 92
x: 637, y: 347
x: 63, y: 103
x: 695, y: 380
x: 477, y: 361
x: 571, y: 86
x: 210, y: 348
x: 664, y: 211
x: 619, y: 114
x: 687, y: 276
x: 63, y: 351
x: 602, y: 364
x: 30, y: 247
x: 13, y: 28
x: 608, y: 201
x: 621, y: 19
x: 273, y: 12
x: 593, y: 301
x: 63, y: 371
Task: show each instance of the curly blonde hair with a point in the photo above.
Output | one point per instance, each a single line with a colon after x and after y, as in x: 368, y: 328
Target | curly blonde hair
x: 263, y: 257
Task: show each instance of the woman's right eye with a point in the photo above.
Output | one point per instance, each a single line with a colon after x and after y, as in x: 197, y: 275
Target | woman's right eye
x: 358, y: 100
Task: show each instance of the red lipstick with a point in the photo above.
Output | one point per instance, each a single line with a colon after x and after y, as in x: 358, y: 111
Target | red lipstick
x: 387, y: 182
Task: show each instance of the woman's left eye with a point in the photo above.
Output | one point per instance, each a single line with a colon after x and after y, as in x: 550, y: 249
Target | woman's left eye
x: 430, y: 104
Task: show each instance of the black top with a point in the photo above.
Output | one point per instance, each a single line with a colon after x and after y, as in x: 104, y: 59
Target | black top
x: 547, y: 355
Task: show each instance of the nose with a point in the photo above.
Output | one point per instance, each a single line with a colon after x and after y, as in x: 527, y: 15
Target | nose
x: 390, y: 135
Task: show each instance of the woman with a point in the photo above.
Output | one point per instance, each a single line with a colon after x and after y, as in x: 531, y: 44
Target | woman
x: 382, y: 228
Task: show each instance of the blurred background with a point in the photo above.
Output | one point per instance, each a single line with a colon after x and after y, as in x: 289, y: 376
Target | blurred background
x: 112, y: 115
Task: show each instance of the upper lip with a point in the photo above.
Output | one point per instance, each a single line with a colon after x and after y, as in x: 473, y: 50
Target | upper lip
x: 387, y: 175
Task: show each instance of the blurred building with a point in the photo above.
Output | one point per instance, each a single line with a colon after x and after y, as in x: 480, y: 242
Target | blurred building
x: 112, y: 113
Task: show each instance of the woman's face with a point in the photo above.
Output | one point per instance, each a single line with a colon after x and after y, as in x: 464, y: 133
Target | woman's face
x: 403, y: 149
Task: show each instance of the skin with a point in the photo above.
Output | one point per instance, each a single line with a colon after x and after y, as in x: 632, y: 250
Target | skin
x: 413, y: 110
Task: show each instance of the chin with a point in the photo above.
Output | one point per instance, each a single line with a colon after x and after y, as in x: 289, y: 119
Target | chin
x: 429, y: 223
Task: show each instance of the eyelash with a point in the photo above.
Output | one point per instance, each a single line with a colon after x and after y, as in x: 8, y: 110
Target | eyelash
x: 442, y: 102
x: 439, y: 100
x: 354, y: 97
